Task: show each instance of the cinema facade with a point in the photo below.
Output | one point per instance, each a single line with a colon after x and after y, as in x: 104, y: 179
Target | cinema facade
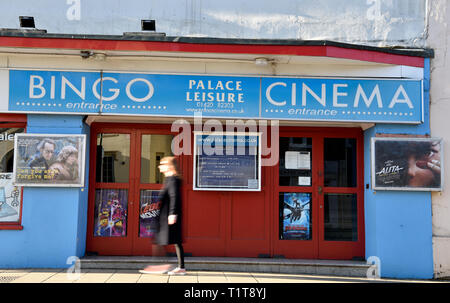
x: 277, y: 142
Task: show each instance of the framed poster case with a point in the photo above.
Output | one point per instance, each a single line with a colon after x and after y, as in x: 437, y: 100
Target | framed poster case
x: 227, y: 161
x: 49, y: 160
x: 414, y: 164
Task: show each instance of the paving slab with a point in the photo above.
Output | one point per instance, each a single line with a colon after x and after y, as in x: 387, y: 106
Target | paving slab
x: 62, y: 277
x: 190, y: 277
x: 153, y: 278
x: 37, y: 276
x: 8, y: 277
x: 193, y: 276
x: 212, y: 277
x: 240, y: 277
x: 94, y: 276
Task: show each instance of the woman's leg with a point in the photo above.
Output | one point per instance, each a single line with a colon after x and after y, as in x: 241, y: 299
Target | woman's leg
x: 180, y: 255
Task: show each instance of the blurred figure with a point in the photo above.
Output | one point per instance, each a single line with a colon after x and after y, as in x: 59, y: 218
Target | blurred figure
x: 170, y: 218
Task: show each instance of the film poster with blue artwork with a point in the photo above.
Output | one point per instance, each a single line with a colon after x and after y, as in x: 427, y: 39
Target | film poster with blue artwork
x: 111, y: 206
x: 295, y: 216
x: 149, y: 213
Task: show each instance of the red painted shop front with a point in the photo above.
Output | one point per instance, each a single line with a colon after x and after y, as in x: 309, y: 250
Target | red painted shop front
x: 325, y: 190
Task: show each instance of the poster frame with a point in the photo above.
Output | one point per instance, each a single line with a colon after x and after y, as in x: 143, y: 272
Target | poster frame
x: 219, y: 188
x: 373, y: 155
x: 81, y: 138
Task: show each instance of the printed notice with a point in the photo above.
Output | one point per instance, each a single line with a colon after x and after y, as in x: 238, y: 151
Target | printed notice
x: 305, y: 181
x: 297, y: 160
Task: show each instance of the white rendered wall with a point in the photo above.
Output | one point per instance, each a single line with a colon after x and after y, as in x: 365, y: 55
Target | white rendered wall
x: 439, y: 40
x: 376, y: 22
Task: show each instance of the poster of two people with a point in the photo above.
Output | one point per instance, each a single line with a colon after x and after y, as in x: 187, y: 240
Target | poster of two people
x: 49, y: 160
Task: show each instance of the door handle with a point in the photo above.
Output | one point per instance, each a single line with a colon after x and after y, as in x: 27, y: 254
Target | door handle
x: 320, y: 190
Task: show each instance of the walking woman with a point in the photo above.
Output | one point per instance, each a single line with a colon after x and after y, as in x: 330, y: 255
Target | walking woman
x: 170, y: 219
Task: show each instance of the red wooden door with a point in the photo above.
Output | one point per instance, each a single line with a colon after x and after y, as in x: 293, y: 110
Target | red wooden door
x: 295, y: 198
x: 341, y: 201
x: 318, y: 206
x: 111, y: 195
x: 327, y: 191
x: 227, y: 223
x: 124, y: 180
x: 153, y: 143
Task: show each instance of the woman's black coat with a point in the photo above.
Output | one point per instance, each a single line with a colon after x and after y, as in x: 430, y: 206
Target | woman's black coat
x: 170, y: 198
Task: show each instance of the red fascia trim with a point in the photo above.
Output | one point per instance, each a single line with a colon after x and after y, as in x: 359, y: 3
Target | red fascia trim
x: 263, y: 49
x: 373, y: 56
x: 15, y: 118
x: 11, y: 227
x: 127, y: 45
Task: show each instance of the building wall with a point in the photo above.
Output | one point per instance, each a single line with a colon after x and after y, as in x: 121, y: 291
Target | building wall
x: 439, y: 40
x: 378, y: 22
x: 54, y: 220
x: 399, y: 227
x: 399, y: 224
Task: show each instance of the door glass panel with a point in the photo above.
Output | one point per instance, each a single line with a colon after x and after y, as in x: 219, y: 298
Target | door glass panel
x: 113, y: 158
x: 110, y: 213
x: 295, y: 216
x: 149, y: 213
x: 340, y: 215
x: 340, y: 162
x: 154, y: 148
x: 295, y: 161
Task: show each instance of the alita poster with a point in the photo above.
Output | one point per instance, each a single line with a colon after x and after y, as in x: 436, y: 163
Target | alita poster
x: 110, y: 218
x: 295, y: 216
x: 407, y: 163
x: 149, y: 213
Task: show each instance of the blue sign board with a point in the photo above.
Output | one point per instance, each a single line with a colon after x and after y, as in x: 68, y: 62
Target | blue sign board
x: 342, y: 99
x: 133, y: 94
x: 315, y: 99
x: 54, y: 91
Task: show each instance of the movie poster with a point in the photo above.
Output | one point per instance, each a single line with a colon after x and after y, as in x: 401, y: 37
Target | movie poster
x: 9, y: 199
x: 110, y: 213
x: 49, y: 160
x: 407, y: 164
x: 295, y: 216
x: 149, y: 213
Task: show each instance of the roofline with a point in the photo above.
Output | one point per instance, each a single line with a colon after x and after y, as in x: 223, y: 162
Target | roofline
x: 159, y: 42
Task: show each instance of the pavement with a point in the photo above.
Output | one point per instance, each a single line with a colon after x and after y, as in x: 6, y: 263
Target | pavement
x: 133, y: 276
